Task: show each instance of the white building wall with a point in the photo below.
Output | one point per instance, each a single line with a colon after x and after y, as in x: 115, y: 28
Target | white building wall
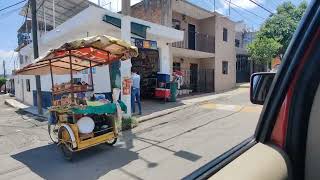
x: 21, y: 88
x: 89, y: 23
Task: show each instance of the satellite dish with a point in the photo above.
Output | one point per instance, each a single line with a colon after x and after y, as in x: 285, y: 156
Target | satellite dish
x: 85, y: 125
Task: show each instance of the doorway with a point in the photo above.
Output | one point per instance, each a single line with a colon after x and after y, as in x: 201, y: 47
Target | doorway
x: 191, y: 36
x: 194, y: 77
x: 147, y: 64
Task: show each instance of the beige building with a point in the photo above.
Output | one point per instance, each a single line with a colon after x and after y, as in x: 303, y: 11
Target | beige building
x: 206, y: 57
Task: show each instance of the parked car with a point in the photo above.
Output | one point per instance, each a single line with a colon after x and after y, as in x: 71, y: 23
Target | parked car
x: 286, y: 142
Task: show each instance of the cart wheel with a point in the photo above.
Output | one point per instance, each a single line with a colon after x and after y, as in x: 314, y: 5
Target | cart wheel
x: 112, y: 142
x: 66, y: 144
x: 53, y: 132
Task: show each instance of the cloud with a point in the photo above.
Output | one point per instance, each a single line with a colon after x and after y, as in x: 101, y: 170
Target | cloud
x: 9, y: 57
x: 113, y: 5
x: 6, y: 54
x: 246, y: 4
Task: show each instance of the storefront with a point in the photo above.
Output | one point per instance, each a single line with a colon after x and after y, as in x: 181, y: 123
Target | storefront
x: 147, y: 64
x: 154, y: 52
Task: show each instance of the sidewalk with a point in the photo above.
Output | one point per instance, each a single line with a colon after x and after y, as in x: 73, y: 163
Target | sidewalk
x: 26, y: 108
x: 153, y: 108
x: 150, y: 108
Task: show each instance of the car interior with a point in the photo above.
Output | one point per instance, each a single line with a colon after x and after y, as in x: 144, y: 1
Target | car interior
x: 286, y: 143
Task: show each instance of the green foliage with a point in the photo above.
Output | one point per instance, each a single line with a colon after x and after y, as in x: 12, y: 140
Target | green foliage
x: 263, y: 49
x: 127, y: 123
x: 278, y: 27
x: 2, y: 81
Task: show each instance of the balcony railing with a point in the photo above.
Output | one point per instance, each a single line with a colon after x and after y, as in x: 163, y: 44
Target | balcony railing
x: 196, y: 41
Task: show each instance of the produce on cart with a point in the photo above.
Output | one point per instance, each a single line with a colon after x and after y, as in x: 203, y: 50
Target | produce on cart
x: 79, y: 119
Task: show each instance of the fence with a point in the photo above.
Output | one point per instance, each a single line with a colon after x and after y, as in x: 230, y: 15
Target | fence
x: 196, y: 41
x: 197, y: 81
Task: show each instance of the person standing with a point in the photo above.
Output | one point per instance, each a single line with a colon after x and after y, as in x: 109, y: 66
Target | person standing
x: 135, y: 91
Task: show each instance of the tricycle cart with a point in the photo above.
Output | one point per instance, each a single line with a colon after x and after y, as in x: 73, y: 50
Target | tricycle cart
x: 78, y: 119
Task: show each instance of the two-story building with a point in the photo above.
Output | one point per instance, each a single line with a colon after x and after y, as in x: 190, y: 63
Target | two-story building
x: 71, y: 20
x: 206, y: 56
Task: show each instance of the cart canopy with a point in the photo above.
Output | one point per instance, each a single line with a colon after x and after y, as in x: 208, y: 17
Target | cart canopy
x: 81, y: 54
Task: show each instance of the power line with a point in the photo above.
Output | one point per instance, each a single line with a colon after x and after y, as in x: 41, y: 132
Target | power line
x: 277, y: 3
x: 40, y: 5
x: 261, y: 6
x: 244, y: 17
x: 6, y: 14
x: 274, y: 3
x: 245, y: 10
x: 12, y: 5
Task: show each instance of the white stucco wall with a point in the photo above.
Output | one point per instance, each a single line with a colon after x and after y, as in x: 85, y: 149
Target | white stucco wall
x: 21, y: 88
x: 89, y: 23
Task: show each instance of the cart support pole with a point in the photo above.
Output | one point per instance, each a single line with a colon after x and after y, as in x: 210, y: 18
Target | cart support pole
x: 71, y: 76
x: 92, y: 88
x: 52, y: 84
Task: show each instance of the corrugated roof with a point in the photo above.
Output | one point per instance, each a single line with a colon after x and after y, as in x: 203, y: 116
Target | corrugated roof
x: 64, y: 10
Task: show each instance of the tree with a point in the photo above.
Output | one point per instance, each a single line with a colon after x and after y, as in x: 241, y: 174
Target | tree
x: 280, y: 28
x: 263, y: 49
x: 2, y: 81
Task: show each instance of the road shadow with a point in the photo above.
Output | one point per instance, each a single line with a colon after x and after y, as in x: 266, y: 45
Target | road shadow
x: 92, y: 163
x: 24, y: 114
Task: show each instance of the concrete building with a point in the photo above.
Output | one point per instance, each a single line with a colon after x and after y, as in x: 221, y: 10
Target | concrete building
x: 244, y: 66
x: 90, y: 20
x: 206, y: 56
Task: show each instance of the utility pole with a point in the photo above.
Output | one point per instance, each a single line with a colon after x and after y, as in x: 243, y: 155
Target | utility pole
x: 214, y: 5
x: 4, y: 75
x: 36, y: 52
x: 229, y: 7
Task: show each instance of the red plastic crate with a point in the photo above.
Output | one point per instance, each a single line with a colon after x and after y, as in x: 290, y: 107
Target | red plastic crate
x: 162, y: 93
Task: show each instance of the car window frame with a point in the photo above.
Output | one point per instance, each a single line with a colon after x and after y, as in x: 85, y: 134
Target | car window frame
x: 291, y: 59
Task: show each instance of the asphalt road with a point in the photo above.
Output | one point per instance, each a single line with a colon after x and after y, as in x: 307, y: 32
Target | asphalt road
x: 168, y: 147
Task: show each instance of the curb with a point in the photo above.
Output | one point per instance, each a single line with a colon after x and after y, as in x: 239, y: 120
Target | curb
x: 21, y: 109
x: 161, y: 113
x: 175, y: 109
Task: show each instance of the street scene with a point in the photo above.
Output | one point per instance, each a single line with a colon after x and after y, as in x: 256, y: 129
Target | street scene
x: 167, y: 147
x: 157, y: 89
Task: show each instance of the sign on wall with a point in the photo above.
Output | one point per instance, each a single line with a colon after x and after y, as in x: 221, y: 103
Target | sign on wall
x: 145, y: 44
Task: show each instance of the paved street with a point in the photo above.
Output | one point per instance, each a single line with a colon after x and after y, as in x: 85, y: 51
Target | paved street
x: 168, y: 147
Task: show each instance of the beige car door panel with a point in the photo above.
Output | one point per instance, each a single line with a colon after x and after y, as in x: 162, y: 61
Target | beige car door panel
x: 260, y: 162
x: 312, y: 162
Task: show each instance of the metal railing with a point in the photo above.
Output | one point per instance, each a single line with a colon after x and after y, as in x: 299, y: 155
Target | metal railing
x: 202, y: 42
x: 197, y: 81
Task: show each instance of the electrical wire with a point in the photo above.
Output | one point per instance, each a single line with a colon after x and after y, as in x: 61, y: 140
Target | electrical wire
x: 261, y: 6
x: 12, y: 5
x: 6, y: 14
x: 40, y: 5
x: 245, y: 17
x: 274, y: 3
x: 245, y: 10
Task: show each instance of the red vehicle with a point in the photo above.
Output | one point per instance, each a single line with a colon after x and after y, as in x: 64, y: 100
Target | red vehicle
x: 286, y: 144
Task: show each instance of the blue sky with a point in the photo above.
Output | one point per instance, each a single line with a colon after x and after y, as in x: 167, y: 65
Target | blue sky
x: 10, y: 20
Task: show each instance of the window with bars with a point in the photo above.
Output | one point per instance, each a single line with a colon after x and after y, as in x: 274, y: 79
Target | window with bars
x: 28, y: 84
x: 225, y: 34
x: 224, y: 67
x: 237, y: 42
